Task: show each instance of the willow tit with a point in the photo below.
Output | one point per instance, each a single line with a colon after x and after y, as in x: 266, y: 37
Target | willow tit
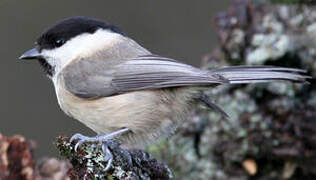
x: 115, y: 86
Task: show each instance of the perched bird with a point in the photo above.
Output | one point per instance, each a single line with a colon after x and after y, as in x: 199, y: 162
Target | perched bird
x: 115, y: 86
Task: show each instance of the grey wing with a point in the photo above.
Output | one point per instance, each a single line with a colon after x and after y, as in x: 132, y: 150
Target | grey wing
x: 94, y: 78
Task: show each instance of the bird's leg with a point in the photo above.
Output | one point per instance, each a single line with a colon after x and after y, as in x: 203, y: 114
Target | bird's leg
x: 108, y: 156
x: 98, y: 138
x: 101, y: 139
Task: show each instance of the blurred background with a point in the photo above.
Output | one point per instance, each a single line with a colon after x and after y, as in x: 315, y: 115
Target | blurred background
x: 272, y: 130
x: 179, y: 29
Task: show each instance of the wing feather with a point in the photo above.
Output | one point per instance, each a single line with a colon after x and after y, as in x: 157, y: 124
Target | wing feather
x: 93, y: 78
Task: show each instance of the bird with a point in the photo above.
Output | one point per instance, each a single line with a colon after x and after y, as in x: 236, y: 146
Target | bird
x: 119, y: 89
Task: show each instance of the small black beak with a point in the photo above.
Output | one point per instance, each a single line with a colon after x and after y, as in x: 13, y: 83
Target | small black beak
x: 31, y: 54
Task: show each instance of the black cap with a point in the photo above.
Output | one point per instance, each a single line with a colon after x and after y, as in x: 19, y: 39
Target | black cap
x: 66, y: 29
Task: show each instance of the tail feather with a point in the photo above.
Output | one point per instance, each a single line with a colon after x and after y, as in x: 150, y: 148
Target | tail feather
x: 257, y: 74
x: 208, y: 102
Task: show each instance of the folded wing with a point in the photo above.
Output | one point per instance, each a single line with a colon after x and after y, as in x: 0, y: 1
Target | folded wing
x: 93, y: 78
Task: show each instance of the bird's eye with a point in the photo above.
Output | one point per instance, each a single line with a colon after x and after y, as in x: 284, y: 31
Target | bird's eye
x: 59, y: 42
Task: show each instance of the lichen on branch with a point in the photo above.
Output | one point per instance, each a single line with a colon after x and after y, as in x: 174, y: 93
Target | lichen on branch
x: 89, y: 162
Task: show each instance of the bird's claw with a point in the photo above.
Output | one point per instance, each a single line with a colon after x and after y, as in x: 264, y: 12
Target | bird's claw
x: 108, y: 156
x: 82, y: 139
x: 76, y: 136
x: 101, y: 139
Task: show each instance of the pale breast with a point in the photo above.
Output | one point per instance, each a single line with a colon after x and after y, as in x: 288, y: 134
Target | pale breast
x: 150, y: 114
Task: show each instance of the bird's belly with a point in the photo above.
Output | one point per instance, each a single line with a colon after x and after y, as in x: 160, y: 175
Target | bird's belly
x: 150, y: 115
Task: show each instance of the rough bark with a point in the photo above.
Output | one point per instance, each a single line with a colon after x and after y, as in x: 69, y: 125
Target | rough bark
x: 17, y: 162
x: 89, y: 162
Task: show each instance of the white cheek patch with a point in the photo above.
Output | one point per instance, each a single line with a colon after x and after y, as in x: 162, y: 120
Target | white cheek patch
x: 80, y: 46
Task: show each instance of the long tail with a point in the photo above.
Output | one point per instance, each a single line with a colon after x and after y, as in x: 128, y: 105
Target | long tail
x: 257, y: 74
x: 254, y: 74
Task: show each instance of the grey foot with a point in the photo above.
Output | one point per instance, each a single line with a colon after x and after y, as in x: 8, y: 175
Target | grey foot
x: 99, y: 139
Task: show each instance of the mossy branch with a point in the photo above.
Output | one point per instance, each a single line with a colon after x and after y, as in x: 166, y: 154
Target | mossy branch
x: 89, y: 162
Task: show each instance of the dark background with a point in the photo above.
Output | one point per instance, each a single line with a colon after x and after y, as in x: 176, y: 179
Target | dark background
x: 179, y: 29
